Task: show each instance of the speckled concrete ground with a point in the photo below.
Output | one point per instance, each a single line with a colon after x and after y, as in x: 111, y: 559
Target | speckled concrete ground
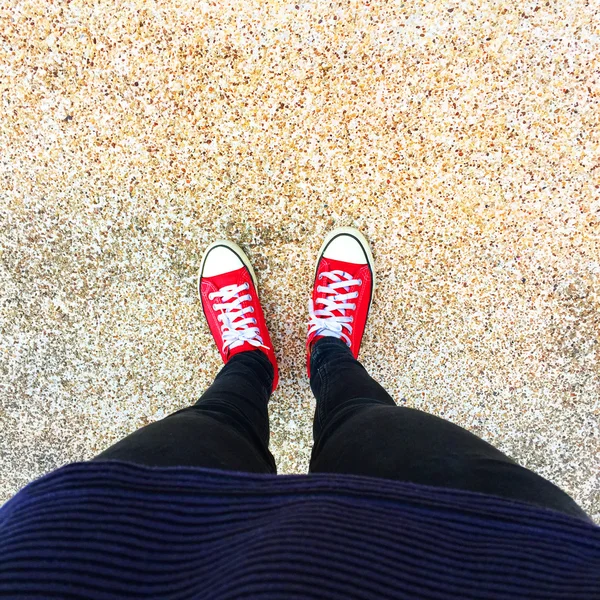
x: 463, y: 138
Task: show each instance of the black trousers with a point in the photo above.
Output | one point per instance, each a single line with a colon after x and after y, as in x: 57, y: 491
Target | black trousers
x: 358, y: 429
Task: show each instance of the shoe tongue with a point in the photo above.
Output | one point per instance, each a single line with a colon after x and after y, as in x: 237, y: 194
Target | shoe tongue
x: 237, y: 277
x: 340, y: 265
x: 345, y: 267
x: 232, y: 277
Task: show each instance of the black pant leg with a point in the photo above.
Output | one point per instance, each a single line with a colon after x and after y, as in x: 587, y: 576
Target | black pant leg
x: 228, y: 428
x: 340, y: 384
x: 368, y: 435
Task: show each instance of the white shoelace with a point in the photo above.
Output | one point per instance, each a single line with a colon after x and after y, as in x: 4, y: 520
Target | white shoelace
x: 236, y: 328
x: 323, y: 321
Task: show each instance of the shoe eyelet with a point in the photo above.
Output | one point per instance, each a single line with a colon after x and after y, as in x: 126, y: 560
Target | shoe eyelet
x: 351, y: 319
x: 254, y: 321
x: 214, y: 307
x: 211, y: 296
x: 354, y: 307
x: 247, y: 285
x: 360, y: 282
x: 251, y: 309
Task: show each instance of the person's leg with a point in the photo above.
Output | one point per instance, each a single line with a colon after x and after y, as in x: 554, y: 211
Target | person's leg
x: 359, y: 430
x: 228, y: 428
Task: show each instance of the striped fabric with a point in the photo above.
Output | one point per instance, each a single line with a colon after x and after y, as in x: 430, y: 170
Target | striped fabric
x: 115, y: 530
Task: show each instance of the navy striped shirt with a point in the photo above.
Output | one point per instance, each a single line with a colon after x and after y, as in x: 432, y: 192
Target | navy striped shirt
x: 106, y: 530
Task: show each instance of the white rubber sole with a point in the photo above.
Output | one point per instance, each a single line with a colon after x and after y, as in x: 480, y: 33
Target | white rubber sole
x: 235, y: 248
x: 355, y: 233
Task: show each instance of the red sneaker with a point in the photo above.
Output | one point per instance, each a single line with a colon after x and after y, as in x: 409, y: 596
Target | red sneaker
x: 342, y: 291
x: 228, y: 291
